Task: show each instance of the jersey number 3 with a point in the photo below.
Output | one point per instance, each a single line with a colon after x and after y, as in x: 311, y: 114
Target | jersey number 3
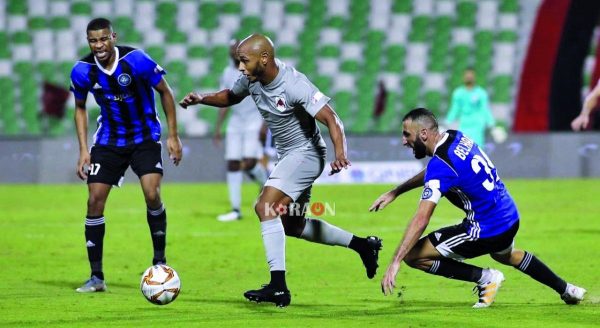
x: 479, y: 162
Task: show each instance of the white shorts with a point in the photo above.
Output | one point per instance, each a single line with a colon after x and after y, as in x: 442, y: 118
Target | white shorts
x: 242, y: 144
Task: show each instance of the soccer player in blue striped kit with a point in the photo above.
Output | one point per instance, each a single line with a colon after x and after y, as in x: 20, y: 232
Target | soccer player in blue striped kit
x: 460, y: 171
x: 122, y: 80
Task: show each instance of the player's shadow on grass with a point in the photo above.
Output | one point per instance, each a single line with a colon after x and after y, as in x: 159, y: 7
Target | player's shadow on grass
x: 74, y: 284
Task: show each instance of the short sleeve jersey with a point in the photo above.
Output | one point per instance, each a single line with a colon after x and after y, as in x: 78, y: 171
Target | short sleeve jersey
x: 288, y: 105
x: 127, y: 108
x: 244, y: 116
x: 464, y: 174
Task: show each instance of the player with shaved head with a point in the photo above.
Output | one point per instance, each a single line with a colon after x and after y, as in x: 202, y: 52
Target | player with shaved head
x: 290, y: 105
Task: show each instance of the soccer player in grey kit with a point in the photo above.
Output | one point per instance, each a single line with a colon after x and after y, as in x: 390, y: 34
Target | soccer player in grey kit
x: 289, y: 104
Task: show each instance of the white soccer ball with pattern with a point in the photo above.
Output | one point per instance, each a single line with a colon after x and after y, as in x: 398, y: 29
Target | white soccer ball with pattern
x: 160, y: 284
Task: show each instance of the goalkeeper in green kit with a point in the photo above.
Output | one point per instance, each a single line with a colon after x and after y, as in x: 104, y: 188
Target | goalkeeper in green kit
x: 470, y: 108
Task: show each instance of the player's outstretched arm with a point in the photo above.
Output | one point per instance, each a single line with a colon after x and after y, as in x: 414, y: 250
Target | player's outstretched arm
x: 413, y: 232
x: 388, y: 197
x: 168, y: 103
x: 81, y: 125
x: 582, y: 121
x: 327, y: 116
x: 223, y: 98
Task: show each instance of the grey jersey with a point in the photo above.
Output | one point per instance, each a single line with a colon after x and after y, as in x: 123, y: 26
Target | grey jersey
x: 288, y: 105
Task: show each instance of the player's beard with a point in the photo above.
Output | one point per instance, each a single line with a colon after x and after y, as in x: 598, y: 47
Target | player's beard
x: 419, y: 149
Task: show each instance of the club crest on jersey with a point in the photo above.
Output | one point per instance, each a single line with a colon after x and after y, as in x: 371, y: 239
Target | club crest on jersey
x: 427, y: 193
x: 124, y: 79
x: 280, y: 103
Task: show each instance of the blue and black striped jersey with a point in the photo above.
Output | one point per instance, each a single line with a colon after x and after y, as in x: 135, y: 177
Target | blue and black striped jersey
x: 464, y: 174
x: 125, y: 95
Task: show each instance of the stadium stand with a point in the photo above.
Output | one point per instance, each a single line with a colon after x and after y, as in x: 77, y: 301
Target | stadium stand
x: 418, y: 48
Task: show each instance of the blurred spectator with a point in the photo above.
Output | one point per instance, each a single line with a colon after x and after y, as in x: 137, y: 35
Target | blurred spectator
x: 54, y: 99
x: 380, y: 100
x: 585, y: 119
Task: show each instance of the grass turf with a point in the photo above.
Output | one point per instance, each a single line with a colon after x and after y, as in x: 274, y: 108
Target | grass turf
x: 44, y: 259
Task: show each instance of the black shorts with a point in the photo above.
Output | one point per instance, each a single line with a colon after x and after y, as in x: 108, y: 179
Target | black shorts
x: 109, y: 163
x: 454, y: 242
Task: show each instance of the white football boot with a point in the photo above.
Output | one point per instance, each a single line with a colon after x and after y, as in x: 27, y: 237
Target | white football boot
x: 94, y: 284
x: 488, y: 290
x: 573, y: 294
x: 231, y: 216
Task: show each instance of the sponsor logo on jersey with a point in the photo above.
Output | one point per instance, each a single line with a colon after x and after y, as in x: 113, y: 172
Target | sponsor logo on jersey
x: 124, y: 79
x: 96, y: 86
x: 280, y: 103
x: 437, y: 236
x: 118, y: 97
x: 158, y: 69
x: 427, y: 193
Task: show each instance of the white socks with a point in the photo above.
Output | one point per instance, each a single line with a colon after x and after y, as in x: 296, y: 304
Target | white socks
x: 234, y: 184
x: 259, y: 173
x: 319, y: 231
x: 274, y: 240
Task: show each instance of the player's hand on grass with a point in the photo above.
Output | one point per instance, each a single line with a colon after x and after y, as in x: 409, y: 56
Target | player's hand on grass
x: 192, y: 98
x: 580, y: 122
x: 83, y: 164
x: 388, y: 283
x: 175, y: 149
x: 340, y: 162
x: 383, y: 200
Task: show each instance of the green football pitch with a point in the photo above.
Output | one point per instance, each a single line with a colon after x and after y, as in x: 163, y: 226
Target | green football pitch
x: 44, y: 259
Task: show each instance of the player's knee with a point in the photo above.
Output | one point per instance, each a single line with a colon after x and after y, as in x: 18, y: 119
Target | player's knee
x: 418, y: 263
x: 513, y: 257
x: 262, y: 209
x: 152, y: 198
x: 96, y: 203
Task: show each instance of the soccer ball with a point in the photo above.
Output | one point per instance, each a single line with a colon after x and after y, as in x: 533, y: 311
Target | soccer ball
x: 160, y: 284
